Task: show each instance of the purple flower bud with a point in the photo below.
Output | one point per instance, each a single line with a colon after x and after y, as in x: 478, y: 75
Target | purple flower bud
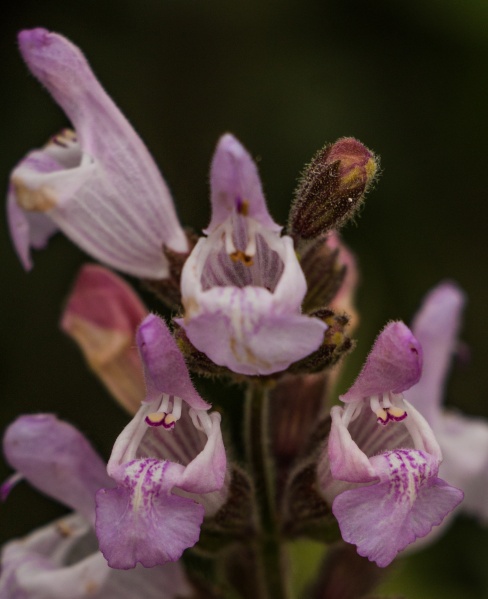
x: 332, y: 188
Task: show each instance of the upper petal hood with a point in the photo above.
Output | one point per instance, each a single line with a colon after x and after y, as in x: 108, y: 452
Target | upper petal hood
x: 235, y: 185
x: 164, y: 366
x: 393, y: 365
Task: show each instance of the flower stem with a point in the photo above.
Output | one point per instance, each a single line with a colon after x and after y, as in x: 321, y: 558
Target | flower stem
x: 269, y: 549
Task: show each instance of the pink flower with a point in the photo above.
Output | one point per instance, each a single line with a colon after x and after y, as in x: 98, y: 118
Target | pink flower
x: 380, y: 466
x: 169, y: 464
x: 242, y: 285
x: 98, y: 184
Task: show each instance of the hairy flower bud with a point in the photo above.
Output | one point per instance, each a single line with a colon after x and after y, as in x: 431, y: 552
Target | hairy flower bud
x: 332, y: 188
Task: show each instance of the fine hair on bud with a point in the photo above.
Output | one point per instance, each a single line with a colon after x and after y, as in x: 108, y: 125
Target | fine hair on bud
x: 332, y: 188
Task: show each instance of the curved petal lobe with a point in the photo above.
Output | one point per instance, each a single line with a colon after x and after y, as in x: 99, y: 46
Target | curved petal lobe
x: 141, y: 521
x: 383, y: 518
x: 57, y: 459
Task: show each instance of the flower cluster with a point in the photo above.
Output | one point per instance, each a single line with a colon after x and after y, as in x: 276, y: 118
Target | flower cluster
x: 272, y: 313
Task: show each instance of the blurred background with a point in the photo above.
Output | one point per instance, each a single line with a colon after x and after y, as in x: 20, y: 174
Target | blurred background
x: 406, y: 78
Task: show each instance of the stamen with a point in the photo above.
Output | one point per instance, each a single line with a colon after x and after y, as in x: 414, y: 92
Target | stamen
x: 163, y: 417
x: 64, y: 138
x: 251, y: 232
x: 378, y: 409
x: 397, y: 410
x: 167, y: 421
x: 397, y: 414
x: 176, y: 411
x: 230, y: 248
x: 382, y: 416
x: 246, y: 256
x: 240, y: 256
x: 155, y: 418
x: 388, y: 408
x: 164, y: 407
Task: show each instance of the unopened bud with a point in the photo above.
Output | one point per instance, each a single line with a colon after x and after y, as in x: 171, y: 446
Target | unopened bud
x: 332, y: 188
x: 102, y: 314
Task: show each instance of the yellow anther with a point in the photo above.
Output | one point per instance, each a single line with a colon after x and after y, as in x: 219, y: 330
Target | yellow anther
x: 156, y: 418
x: 396, y: 413
x: 169, y: 420
x: 240, y: 256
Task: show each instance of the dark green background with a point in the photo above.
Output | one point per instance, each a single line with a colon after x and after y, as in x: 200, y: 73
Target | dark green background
x: 407, y: 78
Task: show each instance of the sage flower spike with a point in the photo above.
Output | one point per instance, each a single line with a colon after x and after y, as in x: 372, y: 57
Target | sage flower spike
x: 98, y: 184
x: 242, y: 285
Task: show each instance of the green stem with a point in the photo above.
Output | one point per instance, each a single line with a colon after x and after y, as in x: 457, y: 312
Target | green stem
x: 269, y: 549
